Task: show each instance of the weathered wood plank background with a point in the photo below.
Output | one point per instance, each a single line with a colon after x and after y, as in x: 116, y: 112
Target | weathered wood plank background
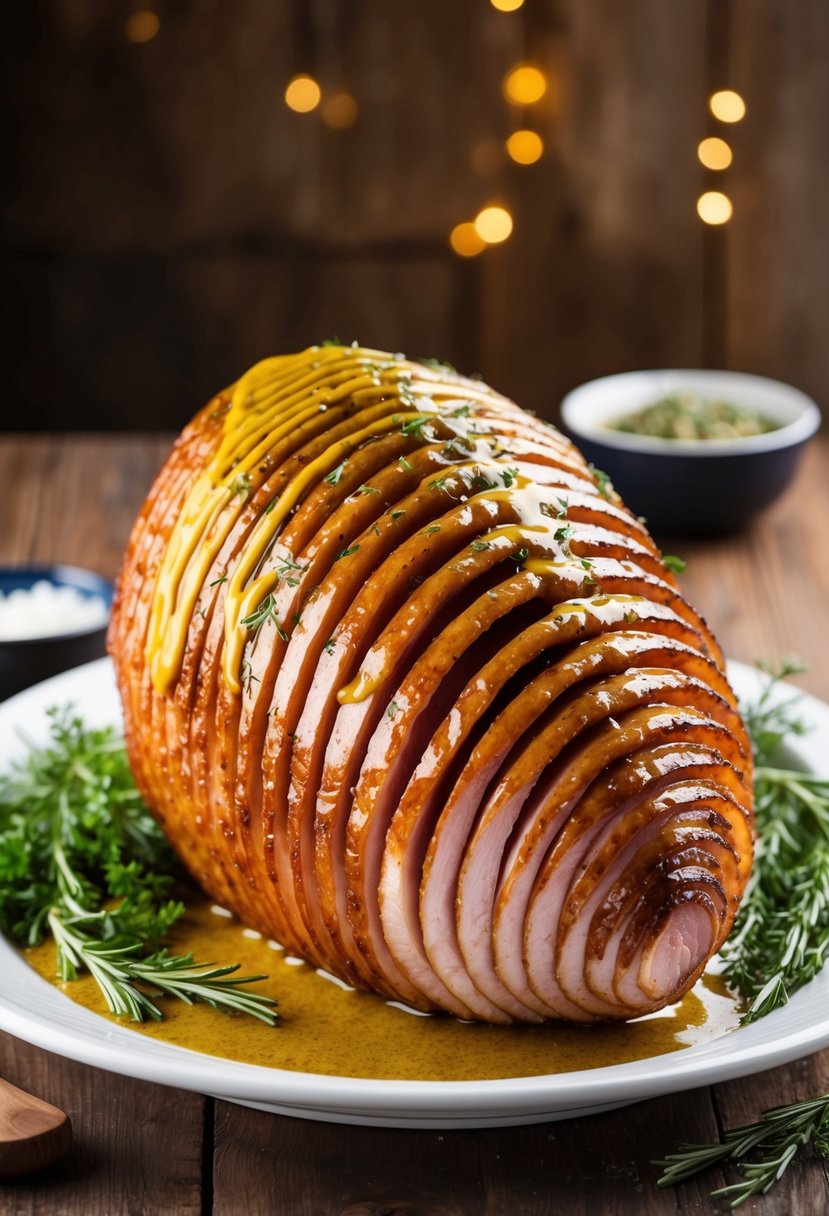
x: 166, y: 219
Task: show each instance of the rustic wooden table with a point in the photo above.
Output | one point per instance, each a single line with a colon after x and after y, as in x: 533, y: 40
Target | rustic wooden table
x: 141, y: 1148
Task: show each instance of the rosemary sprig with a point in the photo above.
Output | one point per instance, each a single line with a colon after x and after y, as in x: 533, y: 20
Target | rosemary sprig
x: 81, y: 858
x: 776, y: 1138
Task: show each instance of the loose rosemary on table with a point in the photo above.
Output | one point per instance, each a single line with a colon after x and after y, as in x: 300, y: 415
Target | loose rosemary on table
x: 780, y: 941
x: 82, y: 859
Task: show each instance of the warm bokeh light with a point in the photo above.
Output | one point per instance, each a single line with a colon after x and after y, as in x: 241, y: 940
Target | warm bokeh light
x: 506, y: 6
x: 302, y: 94
x: 525, y: 84
x: 339, y: 111
x: 713, y: 207
x: 464, y: 240
x: 727, y: 106
x: 715, y: 153
x: 142, y: 26
x: 493, y: 225
x: 525, y: 147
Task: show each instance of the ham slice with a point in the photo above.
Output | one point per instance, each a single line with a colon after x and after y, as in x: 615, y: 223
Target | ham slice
x: 412, y: 692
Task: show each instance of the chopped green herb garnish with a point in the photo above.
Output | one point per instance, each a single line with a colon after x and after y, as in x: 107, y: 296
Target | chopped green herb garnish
x: 440, y: 483
x: 397, y: 514
x: 393, y: 709
x: 241, y: 486
x: 364, y: 489
x: 405, y: 464
x: 333, y: 478
x: 265, y: 612
x: 675, y: 564
x: 287, y: 569
x: 438, y: 365
x: 346, y: 552
x: 603, y: 483
x: 479, y: 546
x: 418, y: 426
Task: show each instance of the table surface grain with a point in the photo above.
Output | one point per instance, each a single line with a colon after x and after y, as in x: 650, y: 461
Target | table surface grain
x: 142, y: 1148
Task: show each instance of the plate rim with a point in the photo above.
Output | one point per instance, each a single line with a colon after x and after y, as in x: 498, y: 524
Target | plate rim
x: 91, y: 1039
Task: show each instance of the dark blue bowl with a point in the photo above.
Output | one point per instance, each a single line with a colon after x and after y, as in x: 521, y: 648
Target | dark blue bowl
x: 697, y: 487
x: 26, y: 661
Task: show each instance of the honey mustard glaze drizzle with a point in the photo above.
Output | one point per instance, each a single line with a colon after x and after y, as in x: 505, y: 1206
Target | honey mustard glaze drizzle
x: 268, y: 404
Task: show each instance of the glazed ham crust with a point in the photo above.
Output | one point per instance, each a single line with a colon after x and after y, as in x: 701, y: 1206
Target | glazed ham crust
x: 412, y: 692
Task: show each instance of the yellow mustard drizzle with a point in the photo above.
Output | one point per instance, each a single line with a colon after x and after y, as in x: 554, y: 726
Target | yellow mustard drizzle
x: 270, y: 401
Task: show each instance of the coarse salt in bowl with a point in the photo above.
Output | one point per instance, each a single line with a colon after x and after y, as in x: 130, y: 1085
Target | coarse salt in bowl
x: 51, y: 618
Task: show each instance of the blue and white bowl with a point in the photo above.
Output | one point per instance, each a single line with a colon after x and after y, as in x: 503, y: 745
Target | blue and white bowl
x: 45, y: 632
x: 692, y: 487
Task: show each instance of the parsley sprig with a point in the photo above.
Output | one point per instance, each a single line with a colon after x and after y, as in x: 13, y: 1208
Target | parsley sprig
x: 81, y: 858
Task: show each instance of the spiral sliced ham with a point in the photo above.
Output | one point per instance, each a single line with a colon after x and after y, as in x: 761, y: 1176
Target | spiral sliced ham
x: 413, y: 693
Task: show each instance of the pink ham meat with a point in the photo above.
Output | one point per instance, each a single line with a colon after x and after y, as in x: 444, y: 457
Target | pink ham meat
x: 469, y: 748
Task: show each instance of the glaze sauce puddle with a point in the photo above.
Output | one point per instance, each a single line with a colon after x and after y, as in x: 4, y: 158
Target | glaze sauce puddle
x: 327, y: 1029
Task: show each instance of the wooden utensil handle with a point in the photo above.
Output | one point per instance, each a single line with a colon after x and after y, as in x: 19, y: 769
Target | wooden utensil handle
x: 32, y: 1133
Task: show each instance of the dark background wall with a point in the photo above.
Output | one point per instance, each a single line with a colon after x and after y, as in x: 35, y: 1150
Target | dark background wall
x: 167, y: 220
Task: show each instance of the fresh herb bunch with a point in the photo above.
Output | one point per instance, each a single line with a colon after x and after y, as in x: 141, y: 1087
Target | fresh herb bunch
x: 780, y: 939
x: 81, y: 858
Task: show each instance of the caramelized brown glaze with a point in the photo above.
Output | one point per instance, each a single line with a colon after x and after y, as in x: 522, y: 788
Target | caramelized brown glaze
x: 412, y: 692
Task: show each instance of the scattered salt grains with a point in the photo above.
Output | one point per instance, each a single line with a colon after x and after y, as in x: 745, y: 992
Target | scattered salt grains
x: 253, y: 934
x: 48, y: 610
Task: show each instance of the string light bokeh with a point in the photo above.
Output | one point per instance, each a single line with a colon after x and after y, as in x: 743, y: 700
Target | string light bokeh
x: 142, y: 26
x: 493, y: 224
x: 302, y: 94
x: 523, y: 86
x: 525, y: 147
x: 715, y: 153
x: 727, y: 106
x: 714, y: 207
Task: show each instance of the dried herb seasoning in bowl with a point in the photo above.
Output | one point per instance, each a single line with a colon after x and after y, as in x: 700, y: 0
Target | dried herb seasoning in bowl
x: 51, y: 618
x: 695, y: 452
